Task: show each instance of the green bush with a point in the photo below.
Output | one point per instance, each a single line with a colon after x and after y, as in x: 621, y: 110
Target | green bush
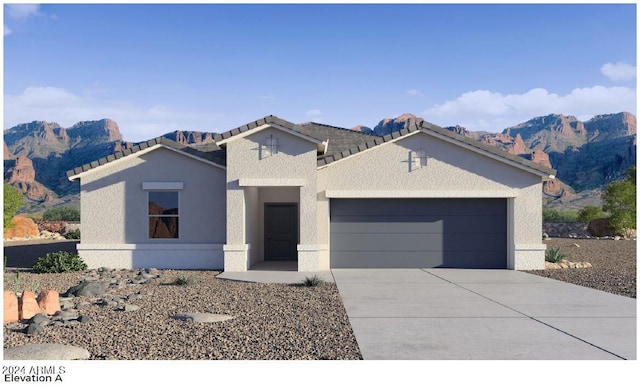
x: 68, y: 214
x: 553, y: 255
x: 619, y: 200
x: 13, y: 200
x: 73, y: 234
x: 312, y: 281
x: 559, y: 216
x: 59, y: 262
x: 590, y: 213
x: 183, y: 281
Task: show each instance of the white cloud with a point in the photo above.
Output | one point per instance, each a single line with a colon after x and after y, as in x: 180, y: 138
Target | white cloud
x: 618, y: 71
x: 22, y: 11
x: 414, y: 93
x: 7, y: 30
x: 493, y: 111
x: 313, y: 113
x: 137, y: 123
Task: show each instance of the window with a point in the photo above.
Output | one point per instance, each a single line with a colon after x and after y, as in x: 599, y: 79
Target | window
x: 270, y: 146
x: 163, y: 214
x: 418, y: 159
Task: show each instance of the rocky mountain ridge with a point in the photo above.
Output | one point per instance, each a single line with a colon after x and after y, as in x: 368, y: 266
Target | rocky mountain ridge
x: 587, y: 155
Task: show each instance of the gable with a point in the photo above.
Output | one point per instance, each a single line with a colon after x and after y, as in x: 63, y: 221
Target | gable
x: 210, y: 156
x: 447, y: 136
x: 269, y: 122
x: 449, y: 168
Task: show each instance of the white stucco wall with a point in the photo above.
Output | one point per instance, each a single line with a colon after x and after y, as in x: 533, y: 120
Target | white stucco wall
x: 451, y: 171
x: 291, y: 172
x: 115, y: 212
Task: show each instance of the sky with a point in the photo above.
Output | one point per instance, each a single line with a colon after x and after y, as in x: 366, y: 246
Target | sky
x: 156, y: 68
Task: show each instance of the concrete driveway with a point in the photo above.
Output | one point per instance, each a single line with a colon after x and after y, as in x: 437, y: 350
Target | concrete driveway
x: 421, y: 314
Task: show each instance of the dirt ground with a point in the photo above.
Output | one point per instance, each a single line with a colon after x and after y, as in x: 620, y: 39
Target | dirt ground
x: 614, y: 264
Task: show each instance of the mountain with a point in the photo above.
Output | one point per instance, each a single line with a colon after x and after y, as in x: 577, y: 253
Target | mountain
x: 587, y: 155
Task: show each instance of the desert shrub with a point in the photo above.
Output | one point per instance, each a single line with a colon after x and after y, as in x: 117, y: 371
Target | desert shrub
x: 183, y: 281
x: 619, y: 200
x: 73, y: 234
x: 52, y: 226
x: 553, y: 255
x: 68, y: 214
x: 312, y: 281
x: 59, y: 262
x: 590, y: 213
x: 33, y: 216
x: 12, y: 200
x: 559, y: 216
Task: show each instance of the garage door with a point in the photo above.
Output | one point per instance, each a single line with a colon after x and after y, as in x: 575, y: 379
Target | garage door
x: 424, y: 233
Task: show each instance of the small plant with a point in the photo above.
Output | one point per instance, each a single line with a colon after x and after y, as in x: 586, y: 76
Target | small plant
x: 59, y: 262
x: 183, y: 281
x: 553, y: 255
x: 312, y: 281
x: 73, y: 234
x: 16, y: 283
x: 35, y: 286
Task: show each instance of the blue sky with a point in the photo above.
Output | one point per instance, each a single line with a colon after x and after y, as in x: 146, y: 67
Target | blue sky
x: 211, y: 67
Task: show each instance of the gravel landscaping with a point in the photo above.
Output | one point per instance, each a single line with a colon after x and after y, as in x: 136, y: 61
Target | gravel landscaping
x: 271, y: 321
x: 613, y: 264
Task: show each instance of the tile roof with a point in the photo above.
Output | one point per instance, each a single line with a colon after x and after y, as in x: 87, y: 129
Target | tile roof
x: 342, y: 143
x: 210, y: 152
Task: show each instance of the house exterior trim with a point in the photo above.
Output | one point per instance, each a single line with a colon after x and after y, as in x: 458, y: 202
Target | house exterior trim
x: 335, y: 194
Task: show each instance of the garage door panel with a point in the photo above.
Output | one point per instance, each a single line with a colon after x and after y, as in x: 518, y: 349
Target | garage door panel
x: 468, y: 233
x: 431, y: 224
x: 417, y: 259
x: 418, y: 207
x: 415, y: 242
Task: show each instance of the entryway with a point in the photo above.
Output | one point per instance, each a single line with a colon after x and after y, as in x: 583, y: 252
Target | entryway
x: 280, y: 231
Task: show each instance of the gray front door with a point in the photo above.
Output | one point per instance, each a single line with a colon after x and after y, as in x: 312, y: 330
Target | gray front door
x: 280, y: 232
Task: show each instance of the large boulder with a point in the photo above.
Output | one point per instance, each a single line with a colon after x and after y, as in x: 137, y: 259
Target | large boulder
x: 88, y: 289
x: 23, y: 227
x: 10, y: 302
x: 28, y: 305
x: 49, y: 301
x: 601, y: 228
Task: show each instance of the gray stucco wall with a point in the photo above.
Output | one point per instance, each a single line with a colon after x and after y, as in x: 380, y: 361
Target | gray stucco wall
x: 114, y: 204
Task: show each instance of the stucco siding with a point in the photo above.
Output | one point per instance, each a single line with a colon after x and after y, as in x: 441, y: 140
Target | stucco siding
x: 288, y: 176
x: 450, y: 171
x: 115, y: 205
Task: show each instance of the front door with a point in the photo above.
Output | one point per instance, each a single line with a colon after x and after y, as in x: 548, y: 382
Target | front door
x: 280, y: 232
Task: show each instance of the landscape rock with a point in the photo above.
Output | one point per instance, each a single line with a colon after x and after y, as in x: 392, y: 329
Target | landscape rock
x: 28, y: 305
x: 39, y: 318
x: 10, y: 302
x: 34, y: 329
x: 23, y: 228
x: 66, y: 315
x: 88, y: 289
x: 202, y: 317
x: 129, y: 308
x: 49, y: 301
x: 600, y: 228
x: 46, y: 352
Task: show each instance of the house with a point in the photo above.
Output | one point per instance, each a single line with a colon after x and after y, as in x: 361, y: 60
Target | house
x: 321, y: 196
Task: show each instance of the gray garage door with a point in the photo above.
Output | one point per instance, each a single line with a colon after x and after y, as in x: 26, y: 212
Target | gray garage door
x: 426, y: 233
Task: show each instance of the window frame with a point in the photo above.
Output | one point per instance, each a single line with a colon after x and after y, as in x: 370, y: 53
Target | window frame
x: 177, y: 216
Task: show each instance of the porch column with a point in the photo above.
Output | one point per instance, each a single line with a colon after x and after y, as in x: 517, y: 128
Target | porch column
x: 236, y: 251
